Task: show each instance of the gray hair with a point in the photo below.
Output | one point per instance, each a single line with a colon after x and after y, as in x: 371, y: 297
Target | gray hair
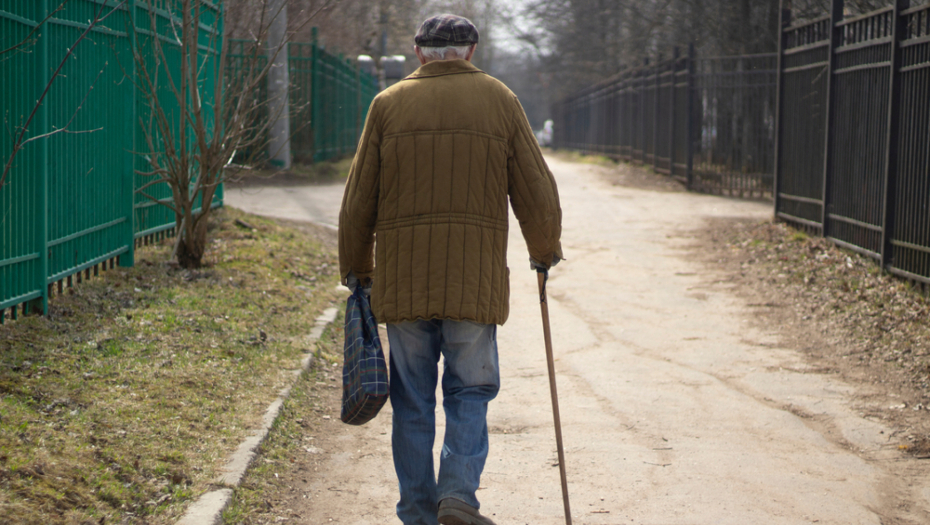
x: 445, y: 53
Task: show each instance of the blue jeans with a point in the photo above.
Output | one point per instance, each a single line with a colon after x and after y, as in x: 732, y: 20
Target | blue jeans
x: 470, y: 379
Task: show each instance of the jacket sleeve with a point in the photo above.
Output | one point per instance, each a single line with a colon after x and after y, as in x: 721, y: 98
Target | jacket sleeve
x: 533, y: 192
x: 359, y: 212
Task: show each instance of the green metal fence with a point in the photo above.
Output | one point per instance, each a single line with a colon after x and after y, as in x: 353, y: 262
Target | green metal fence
x: 334, y: 93
x: 243, y: 61
x: 69, y: 205
x: 329, y: 98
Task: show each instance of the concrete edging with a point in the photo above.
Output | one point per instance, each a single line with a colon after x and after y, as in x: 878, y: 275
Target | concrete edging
x: 209, y: 507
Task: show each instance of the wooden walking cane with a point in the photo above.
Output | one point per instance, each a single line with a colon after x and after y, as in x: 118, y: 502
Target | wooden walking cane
x: 542, y: 276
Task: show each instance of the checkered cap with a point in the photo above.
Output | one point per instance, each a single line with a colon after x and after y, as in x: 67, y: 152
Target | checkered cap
x: 446, y: 30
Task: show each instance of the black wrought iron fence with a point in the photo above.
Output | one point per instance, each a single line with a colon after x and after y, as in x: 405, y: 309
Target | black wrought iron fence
x: 802, y: 122
x: 709, y: 122
x: 735, y: 103
x: 835, y: 126
x: 853, y: 152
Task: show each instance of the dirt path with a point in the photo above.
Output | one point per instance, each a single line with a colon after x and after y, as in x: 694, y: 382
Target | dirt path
x: 317, y: 203
x: 676, y: 409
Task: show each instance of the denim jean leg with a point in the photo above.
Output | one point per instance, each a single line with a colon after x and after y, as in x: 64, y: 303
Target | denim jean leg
x: 470, y: 380
x: 414, y: 356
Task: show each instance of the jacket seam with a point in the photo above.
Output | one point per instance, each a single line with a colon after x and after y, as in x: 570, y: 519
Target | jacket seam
x: 413, y: 237
x: 445, y: 302
x: 429, y: 235
x: 465, y: 219
x: 471, y: 155
x: 446, y: 132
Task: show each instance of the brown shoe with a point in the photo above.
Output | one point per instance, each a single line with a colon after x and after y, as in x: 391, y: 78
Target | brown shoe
x: 456, y: 512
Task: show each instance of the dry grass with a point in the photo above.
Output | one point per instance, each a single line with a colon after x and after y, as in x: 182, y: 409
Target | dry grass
x: 299, y: 174
x: 578, y: 157
x: 306, y: 416
x: 839, y: 308
x: 121, y: 404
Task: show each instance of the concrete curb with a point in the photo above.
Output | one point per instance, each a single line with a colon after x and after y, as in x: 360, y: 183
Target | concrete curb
x: 208, y: 509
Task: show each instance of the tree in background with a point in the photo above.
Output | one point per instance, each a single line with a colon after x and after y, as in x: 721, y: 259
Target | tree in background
x: 372, y: 27
x: 555, y: 47
x: 580, y: 42
x: 351, y: 27
x: 525, y: 75
x: 376, y: 27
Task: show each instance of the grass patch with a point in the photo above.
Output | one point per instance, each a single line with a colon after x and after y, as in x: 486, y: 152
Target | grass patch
x: 299, y: 174
x: 575, y: 156
x: 293, y: 432
x: 328, y: 171
x: 121, y: 405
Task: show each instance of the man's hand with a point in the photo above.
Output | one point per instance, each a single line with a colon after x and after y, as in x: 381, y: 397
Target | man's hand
x: 535, y: 266
x: 352, y: 283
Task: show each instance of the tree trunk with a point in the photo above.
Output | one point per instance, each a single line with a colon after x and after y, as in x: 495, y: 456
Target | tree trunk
x: 192, y: 244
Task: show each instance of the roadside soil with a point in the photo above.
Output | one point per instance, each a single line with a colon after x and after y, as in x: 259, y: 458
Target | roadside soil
x: 713, y: 367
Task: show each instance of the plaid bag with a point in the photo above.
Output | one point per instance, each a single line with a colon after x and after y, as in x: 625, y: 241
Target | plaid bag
x: 364, y: 372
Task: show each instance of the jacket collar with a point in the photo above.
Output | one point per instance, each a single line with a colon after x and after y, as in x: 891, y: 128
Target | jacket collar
x: 440, y: 68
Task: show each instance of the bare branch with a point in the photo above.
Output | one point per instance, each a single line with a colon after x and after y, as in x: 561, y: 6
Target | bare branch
x: 164, y: 202
x: 21, y: 140
x: 189, y: 149
x: 34, y: 29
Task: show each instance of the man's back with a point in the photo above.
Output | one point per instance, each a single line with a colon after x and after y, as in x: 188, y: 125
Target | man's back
x: 449, y: 95
x: 442, y: 150
x: 446, y: 132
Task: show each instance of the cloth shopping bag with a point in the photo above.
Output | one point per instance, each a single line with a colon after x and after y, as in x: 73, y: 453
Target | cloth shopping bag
x: 364, y: 371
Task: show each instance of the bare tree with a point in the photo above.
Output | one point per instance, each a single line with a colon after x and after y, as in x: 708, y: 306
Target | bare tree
x: 353, y: 27
x: 196, y: 117
x: 583, y: 41
x: 29, y: 38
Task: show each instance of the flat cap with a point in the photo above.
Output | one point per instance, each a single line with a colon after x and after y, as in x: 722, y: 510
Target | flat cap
x: 446, y: 30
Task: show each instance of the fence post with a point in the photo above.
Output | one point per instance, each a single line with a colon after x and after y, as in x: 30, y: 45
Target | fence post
x: 655, y: 116
x: 689, y: 147
x: 836, y: 16
x: 358, y: 103
x: 621, y: 114
x: 314, y: 95
x: 644, y: 74
x: 129, y: 257
x: 339, y: 102
x: 43, y: 125
x: 344, y: 64
x: 346, y: 104
x: 588, y: 124
x: 783, y: 23
x: 891, y: 139
x: 585, y: 123
x: 673, y: 70
x: 279, y: 143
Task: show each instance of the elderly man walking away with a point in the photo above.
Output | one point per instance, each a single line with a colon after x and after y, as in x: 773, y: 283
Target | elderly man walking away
x: 440, y: 154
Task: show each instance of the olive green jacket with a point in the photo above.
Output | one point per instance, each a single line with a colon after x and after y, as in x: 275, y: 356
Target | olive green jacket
x: 440, y: 154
